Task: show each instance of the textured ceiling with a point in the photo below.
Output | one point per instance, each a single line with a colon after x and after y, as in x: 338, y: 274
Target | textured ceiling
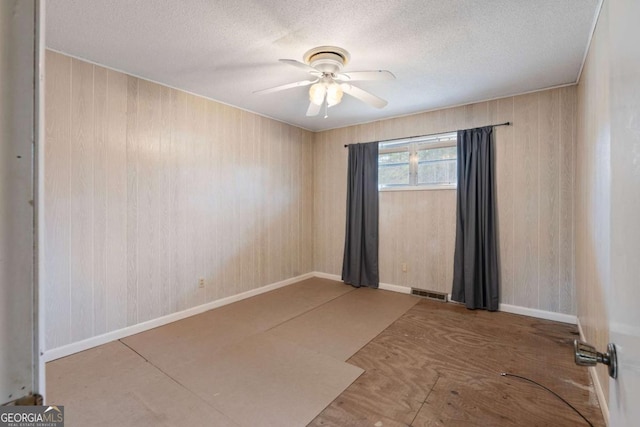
x: 443, y: 52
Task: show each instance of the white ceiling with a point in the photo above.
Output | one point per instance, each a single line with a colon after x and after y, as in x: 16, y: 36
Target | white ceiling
x: 443, y: 52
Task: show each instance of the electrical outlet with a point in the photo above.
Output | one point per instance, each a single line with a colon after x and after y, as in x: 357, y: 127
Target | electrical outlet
x: 404, y: 267
x: 201, y: 283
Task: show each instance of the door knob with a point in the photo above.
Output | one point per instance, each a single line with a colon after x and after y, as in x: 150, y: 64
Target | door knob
x: 587, y: 355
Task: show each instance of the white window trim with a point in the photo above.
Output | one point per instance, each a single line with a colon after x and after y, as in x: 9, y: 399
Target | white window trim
x: 423, y: 187
x: 412, y: 145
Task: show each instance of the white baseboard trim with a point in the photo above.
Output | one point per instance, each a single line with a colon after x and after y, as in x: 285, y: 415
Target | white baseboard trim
x: 604, y: 406
x: 540, y: 314
x: 88, y: 343
x: 327, y: 276
x: 383, y: 286
x: 394, y: 288
x: 507, y: 308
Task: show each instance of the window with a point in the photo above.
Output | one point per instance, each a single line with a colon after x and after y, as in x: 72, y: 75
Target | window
x: 418, y: 163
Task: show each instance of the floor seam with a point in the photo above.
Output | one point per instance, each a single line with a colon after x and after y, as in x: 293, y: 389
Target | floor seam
x: 255, y: 334
x: 308, y: 311
x: 178, y: 382
x: 425, y: 400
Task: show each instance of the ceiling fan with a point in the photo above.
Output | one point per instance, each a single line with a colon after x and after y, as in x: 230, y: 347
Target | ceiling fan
x: 325, y: 63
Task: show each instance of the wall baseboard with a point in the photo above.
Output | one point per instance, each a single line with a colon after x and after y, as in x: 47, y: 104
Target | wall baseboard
x: 394, y: 288
x: 88, y: 343
x: 507, y: 308
x: 327, y: 276
x: 540, y: 314
x: 604, y: 406
x: 383, y: 286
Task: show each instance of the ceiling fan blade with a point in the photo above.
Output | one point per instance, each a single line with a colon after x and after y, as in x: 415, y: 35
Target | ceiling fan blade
x: 287, y: 86
x: 366, y: 75
x: 363, y: 95
x: 303, y: 66
x: 313, y: 109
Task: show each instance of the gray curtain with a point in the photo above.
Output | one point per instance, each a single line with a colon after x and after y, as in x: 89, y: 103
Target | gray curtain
x: 360, y: 262
x: 475, y: 266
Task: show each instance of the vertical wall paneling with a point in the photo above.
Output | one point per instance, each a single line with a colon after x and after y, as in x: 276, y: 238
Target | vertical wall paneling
x: 81, y: 197
x: 190, y: 209
x: 271, y: 231
x: 200, y: 190
x: 593, y: 193
x: 167, y: 203
x: 150, y: 189
x: 549, y: 209
x: 182, y: 200
x: 505, y: 187
x: 116, y: 222
x: 566, y: 300
x: 149, y: 194
x: 228, y: 231
x: 132, y: 201
x: 100, y: 105
x: 534, y: 200
x: 526, y: 200
x: 177, y: 232
x: 57, y: 185
x: 266, y: 155
x: 242, y: 199
x: 209, y: 201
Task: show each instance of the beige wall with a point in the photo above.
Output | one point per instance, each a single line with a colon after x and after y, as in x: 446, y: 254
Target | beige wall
x: 593, y: 193
x: 149, y: 189
x: 535, y: 164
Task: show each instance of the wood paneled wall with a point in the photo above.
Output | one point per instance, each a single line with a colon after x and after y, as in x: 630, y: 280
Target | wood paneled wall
x: 593, y: 194
x: 149, y: 189
x: 535, y: 169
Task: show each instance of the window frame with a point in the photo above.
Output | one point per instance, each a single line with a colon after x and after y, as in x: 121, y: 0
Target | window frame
x: 413, y: 146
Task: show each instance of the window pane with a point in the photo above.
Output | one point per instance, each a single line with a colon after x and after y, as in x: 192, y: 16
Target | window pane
x: 398, y: 157
x: 393, y: 168
x: 437, y: 166
x: 438, y: 153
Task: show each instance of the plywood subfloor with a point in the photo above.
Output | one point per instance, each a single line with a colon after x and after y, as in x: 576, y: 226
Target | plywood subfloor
x: 440, y: 364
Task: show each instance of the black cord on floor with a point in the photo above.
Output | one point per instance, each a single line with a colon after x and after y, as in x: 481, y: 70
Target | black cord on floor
x: 506, y: 374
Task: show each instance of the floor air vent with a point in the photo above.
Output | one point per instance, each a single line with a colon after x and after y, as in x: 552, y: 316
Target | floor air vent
x: 438, y: 296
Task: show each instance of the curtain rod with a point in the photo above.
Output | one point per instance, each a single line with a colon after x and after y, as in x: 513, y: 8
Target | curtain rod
x: 430, y: 134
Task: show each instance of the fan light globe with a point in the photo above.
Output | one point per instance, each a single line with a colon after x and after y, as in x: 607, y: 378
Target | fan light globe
x: 334, y: 95
x: 316, y: 93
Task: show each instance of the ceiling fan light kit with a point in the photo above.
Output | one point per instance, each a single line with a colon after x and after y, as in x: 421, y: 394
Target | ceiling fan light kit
x: 334, y: 94
x: 325, y: 63
x: 316, y: 93
x: 331, y: 90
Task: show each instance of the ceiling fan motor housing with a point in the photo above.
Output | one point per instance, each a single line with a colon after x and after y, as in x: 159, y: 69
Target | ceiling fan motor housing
x: 328, y: 59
